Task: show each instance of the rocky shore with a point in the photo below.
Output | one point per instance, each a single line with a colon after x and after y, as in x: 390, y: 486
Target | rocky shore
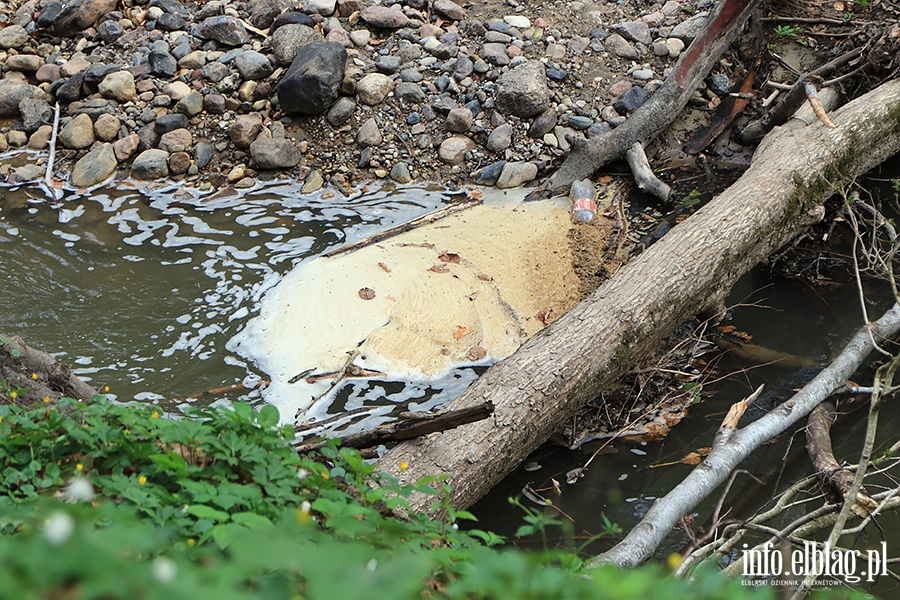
x: 323, y: 92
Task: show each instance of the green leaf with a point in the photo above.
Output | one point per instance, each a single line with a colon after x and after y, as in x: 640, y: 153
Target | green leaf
x: 269, y: 416
x: 201, y: 511
x: 252, y: 521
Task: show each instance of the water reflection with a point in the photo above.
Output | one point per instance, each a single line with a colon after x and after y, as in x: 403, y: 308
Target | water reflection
x: 140, y: 290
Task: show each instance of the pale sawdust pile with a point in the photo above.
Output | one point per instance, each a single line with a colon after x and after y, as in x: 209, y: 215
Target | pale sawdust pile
x: 467, y: 289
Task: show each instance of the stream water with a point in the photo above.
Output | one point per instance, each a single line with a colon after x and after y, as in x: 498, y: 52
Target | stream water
x: 142, y: 290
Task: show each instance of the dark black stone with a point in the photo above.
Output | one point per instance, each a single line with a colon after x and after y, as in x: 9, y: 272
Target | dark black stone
x: 71, y: 90
x: 148, y: 136
x: 34, y: 114
x: 203, y: 153
x: 49, y: 12
x: 96, y: 107
x: 556, y: 74
x: 109, y: 31
x: 171, y: 7
x: 290, y: 18
x: 162, y: 64
x: 171, y: 122
x: 489, y: 174
x: 631, y: 100
x: 170, y: 22
x: 94, y: 74
x: 313, y: 80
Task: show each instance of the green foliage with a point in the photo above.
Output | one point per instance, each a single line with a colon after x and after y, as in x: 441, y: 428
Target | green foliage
x: 693, y: 198
x: 696, y: 390
x: 788, y: 31
x: 100, y: 500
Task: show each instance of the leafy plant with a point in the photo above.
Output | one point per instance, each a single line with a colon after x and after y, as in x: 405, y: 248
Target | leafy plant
x: 788, y: 30
x: 693, y: 198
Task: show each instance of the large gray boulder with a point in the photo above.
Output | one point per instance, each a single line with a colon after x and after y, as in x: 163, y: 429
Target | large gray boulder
x: 313, y: 80
x: 12, y: 93
x: 523, y: 91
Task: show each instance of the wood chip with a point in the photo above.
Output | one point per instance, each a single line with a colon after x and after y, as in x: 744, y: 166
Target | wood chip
x: 366, y: 293
x: 439, y: 268
x: 449, y: 257
x: 384, y: 267
x: 461, y: 332
x: 477, y: 353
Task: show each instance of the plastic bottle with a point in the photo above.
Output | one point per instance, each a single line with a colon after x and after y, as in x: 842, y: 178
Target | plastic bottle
x: 584, y: 201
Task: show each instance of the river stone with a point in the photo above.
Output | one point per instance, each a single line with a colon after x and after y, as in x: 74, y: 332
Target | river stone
x: 342, y: 110
x: 289, y: 39
x: 119, y: 86
x: 176, y: 90
x: 619, y: 46
x: 126, y: 147
x: 13, y: 36
x: 452, y: 151
x: 190, y: 105
x: 223, y: 29
x: 40, y: 139
x: 78, y: 15
x: 78, y: 133
x: 675, y: 46
x: 631, y: 100
x: 95, y: 167
x: 406, y: 91
x: 489, y: 174
x: 374, y: 88
x: 29, y: 172
x: 278, y: 153
x: 495, y: 54
x: 71, y: 90
x: 384, y: 17
x: 522, y: 91
x: 106, y: 127
x: 579, y: 123
x: 543, y: 124
x: 24, y: 63
x: 35, y: 113
x: 449, y: 9
x: 178, y: 140
x: 203, y: 153
x: 369, y: 134
x: 314, y: 181
x: 459, y: 120
x: 48, y: 73
x: 214, y: 104
x: 162, y: 64
x: 170, y: 122
x: 49, y: 12
x: 290, y: 17
x: 12, y: 93
x: 515, y: 174
x: 636, y: 31
x: 110, y: 31
x: 320, y: 7
x: 193, y: 60
x: 687, y: 30
x: 400, y: 173
x: 313, y: 80
x: 215, y: 71
x: 169, y: 22
x: 245, y: 129
x: 16, y: 138
x: 179, y: 162
x: 253, y: 65
x: 500, y: 139
x: 263, y: 12
x: 150, y: 164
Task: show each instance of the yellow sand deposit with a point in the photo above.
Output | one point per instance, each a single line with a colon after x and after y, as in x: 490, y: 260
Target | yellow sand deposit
x: 514, y: 274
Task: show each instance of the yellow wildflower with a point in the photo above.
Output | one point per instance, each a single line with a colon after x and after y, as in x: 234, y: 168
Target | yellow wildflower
x: 105, y: 388
x: 191, y: 542
x: 79, y: 467
x: 674, y: 560
x: 142, y: 480
x: 46, y: 399
x: 155, y: 414
x: 13, y: 394
x: 404, y: 465
x: 34, y: 376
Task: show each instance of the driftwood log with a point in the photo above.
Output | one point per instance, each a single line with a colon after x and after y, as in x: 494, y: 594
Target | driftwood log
x: 408, y: 426
x: 837, y: 479
x: 666, y: 103
x: 691, y: 269
x: 25, y: 367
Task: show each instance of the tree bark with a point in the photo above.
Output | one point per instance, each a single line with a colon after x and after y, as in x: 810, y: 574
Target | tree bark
x: 693, y: 267
x: 666, y: 103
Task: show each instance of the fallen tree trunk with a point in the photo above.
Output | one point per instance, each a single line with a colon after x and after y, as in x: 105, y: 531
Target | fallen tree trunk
x: 45, y: 378
x: 666, y: 103
x: 693, y: 267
